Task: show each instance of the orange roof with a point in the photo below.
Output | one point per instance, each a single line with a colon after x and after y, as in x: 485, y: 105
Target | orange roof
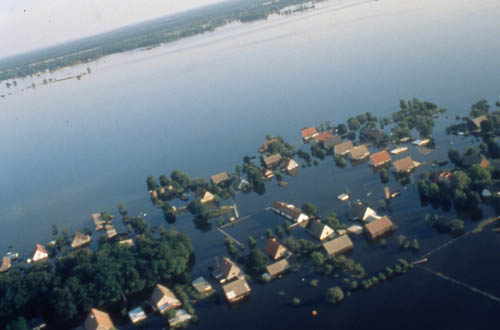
x: 309, y: 131
x: 323, y: 136
x: 98, y: 320
x: 380, y: 158
x: 484, y: 163
x: 40, y: 248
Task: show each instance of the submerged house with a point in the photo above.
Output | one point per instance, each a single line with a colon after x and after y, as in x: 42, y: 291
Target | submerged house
x: 405, y: 165
x: 39, y: 253
x: 309, y: 134
x: 399, y: 150
x: 201, y: 285
x: 236, y: 290
x: 271, y: 161
x: 205, y: 196
x: 380, y: 158
x: 343, y: 148
x: 98, y: 221
x: 291, y: 166
x: 98, y: 320
x: 378, y: 227
x: 79, y: 240
x: 320, y: 230
x: 229, y: 269
x: 359, y: 153
x: 274, y: 249
x: 6, y: 264
x: 164, y: 299
x: 363, y: 213
x: 266, y: 144
x: 181, y: 317
x: 338, y: 245
x: 332, y: 142
x: 477, y: 122
x: 277, y: 268
x: 219, y: 178
x: 323, y: 136
x: 289, y: 211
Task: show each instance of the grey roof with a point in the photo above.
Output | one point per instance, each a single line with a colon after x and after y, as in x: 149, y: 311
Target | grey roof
x: 317, y: 228
x: 338, y: 245
x: 332, y: 142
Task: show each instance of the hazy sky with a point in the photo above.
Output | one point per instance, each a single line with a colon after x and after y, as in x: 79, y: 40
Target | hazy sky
x: 31, y: 24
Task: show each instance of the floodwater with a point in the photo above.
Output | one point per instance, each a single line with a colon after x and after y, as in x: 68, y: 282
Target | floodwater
x: 201, y: 104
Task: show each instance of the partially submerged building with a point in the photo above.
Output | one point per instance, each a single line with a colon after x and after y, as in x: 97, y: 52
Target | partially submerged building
x: 98, y: 320
x: 380, y: 158
x: 323, y: 136
x: 320, y: 230
x: 229, y: 270
x: 201, y: 285
x: 80, y: 240
x: 236, y: 290
x: 205, y: 196
x: 330, y: 143
x: 277, y: 268
x: 181, y: 317
x: 219, y: 178
x: 477, y: 122
x: 309, y: 134
x: 338, y: 245
x: 272, y: 161
x: 274, y: 249
x: 405, y: 165
x: 289, y: 211
x: 39, y: 253
x: 137, y: 315
x: 359, y: 153
x: 6, y: 264
x: 379, y: 227
x: 266, y: 144
x: 163, y: 299
x: 361, y: 212
x: 343, y: 148
x: 291, y: 166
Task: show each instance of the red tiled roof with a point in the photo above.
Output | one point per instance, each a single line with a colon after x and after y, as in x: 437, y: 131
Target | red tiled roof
x: 380, y: 158
x: 323, y: 136
x: 309, y: 131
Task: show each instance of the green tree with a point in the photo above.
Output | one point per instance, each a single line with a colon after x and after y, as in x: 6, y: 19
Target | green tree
x: 18, y: 324
x: 478, y: 173
x: 257, y: 261
x: 309, y: 209
x: 460, y: 180
x: 334, y: 295
x: 342, y: 129
x: 151, y: 183
x: 317, y: 258
x: 384, y: 175
x: 353, y: 124
x: 196, y: 207
x: 251, y: 242
x: 122, y: 210
x: 455, y: 157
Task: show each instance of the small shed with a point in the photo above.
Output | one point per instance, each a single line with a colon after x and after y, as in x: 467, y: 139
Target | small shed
x: 137, y: 315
